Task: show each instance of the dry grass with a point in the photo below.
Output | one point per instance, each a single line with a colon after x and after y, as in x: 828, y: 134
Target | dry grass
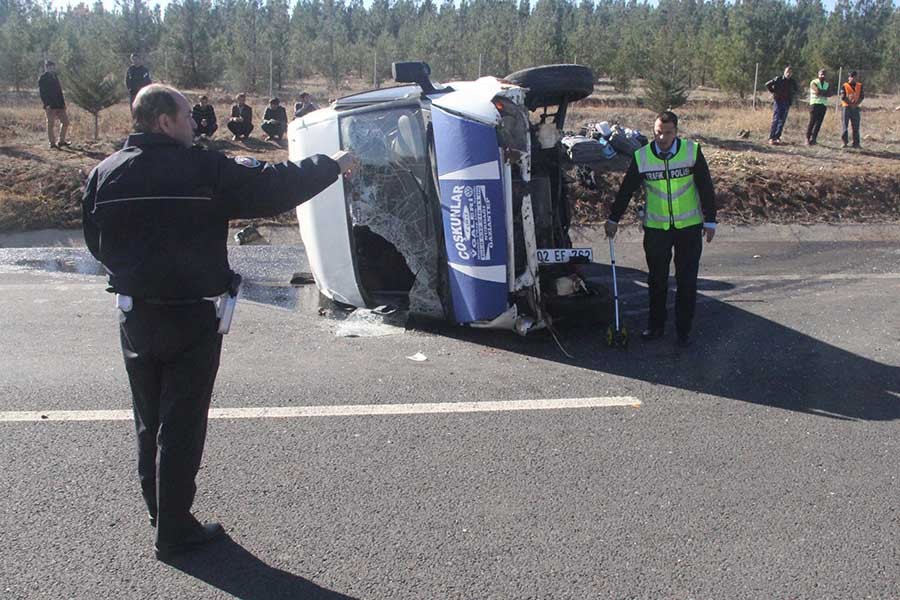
x: 755, y: 182
x: 880, y: 123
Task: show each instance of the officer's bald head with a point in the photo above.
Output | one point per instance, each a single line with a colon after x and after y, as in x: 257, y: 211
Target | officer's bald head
x: 162, y: 109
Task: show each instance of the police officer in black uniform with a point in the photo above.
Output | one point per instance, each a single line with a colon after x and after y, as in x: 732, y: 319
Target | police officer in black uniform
x: 156, y: 215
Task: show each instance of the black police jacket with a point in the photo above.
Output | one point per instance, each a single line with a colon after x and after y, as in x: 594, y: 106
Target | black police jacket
x: 155, y: 213
x: 51, y: 91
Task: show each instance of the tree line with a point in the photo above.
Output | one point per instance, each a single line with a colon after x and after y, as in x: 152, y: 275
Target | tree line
x: 235, y: 43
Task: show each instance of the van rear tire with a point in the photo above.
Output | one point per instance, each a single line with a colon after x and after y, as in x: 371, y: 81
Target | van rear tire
x: 550, y: 85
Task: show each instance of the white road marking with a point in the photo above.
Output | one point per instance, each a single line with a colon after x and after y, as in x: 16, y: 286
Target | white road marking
x: 346, y: 410
x: 791, y: 277
x: 802, y: 277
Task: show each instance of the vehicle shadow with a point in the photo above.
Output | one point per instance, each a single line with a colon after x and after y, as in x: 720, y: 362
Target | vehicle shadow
x: 736, y: 354
x: 228, y: 566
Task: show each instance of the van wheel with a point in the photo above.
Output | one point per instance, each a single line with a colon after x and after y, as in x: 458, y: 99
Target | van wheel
x: 550, y: 85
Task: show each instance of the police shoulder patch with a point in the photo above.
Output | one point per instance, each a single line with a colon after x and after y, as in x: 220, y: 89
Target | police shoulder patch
x: 247, y: 161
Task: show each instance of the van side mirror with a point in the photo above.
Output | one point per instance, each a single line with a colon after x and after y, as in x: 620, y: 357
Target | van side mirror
x: 413, y: 72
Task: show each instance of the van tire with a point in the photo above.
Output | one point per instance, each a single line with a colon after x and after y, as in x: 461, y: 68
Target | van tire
x: 550, y: 85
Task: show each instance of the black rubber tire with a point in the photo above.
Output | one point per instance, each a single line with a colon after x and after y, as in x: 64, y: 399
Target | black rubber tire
x: 550, y: 85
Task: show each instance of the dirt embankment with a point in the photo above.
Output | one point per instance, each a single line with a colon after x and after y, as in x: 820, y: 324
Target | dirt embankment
x: 755, y: 183
x: 751, y: 190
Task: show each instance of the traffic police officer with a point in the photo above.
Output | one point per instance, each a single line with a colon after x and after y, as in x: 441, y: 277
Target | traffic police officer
x: 155, y: 214
x: 681, y: 208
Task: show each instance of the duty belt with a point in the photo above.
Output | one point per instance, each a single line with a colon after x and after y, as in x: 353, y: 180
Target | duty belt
x: 171, y: 301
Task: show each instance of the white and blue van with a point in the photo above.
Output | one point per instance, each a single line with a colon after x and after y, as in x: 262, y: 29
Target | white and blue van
x: 458, y: 210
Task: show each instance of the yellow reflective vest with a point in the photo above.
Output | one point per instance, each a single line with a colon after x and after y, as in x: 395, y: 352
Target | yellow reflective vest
x: 823, y: 87
x: 672, y: 198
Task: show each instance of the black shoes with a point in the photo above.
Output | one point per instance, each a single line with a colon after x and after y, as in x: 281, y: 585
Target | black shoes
x: 201, y: 534
x: 651, y: 334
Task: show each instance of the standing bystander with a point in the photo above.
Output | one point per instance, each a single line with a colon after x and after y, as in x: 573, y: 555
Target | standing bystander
x: 851, y: 97
x: 136, y: 77
x: 54, y: 105
x: 783, y: 89
x: 818, y: 104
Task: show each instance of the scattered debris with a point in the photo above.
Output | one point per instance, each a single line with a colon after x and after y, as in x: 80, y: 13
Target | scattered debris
x: 248, y: 235
x: 418, y: 357
x: 363, y: 322
x: 302, y: 278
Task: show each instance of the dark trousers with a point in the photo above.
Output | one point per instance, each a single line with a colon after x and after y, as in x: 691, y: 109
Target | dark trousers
x: 273, y: 128
x: 850, y: 117
x: 208, y: 130
x: 816, y: 116
x: 239, y: 128
x: 171, y: 356
x: 779, y: 118
x: 658, y: 246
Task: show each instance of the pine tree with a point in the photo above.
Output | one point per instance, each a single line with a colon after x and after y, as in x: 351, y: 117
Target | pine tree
x: 665, y: 87
x: 17, y: 58
x: 187, y: 36
x: 276, y: 38
x: 137, y: 28
x: 92, y: 88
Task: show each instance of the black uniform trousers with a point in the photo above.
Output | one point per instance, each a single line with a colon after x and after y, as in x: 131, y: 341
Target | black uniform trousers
x: 273, y: 128
x: 658, y: 246
x: 816, y: 116
x: 207, y: 130
x: 171, y: 356
x: 240, y: 128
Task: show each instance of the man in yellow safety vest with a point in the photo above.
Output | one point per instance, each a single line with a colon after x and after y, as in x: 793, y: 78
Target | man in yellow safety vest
x: 818, y: 104
x: 681, y: 208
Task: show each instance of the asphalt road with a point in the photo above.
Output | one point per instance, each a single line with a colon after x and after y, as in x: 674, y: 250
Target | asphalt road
x: 761, y: 463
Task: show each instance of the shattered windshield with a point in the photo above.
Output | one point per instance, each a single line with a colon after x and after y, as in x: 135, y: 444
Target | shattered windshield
x: 391, y: 213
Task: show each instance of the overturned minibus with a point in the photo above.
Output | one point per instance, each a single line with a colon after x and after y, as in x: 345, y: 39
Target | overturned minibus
x: 458, y: 210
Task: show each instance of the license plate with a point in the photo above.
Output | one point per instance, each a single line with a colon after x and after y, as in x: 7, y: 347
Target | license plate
x: 564, y: 255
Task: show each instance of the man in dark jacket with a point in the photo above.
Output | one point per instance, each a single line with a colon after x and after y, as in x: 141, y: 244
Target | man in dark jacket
x: 681, y: 209
x: 205, y: 117
x: 274, y: 120
x: 136, y: 77
x: 155, y: 214
x: 305, y: 106
x: 241, y: 122
x: 783, y: 89
x: 54, y: 105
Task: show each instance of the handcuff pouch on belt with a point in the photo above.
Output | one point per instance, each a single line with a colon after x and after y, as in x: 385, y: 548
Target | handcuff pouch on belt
x: 226, y: 302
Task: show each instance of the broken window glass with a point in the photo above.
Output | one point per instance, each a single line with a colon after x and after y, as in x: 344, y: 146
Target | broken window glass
x: 390, y: 209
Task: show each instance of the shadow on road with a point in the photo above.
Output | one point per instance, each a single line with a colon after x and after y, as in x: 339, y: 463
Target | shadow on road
x: 228, y: 566
x: 736, y: 354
